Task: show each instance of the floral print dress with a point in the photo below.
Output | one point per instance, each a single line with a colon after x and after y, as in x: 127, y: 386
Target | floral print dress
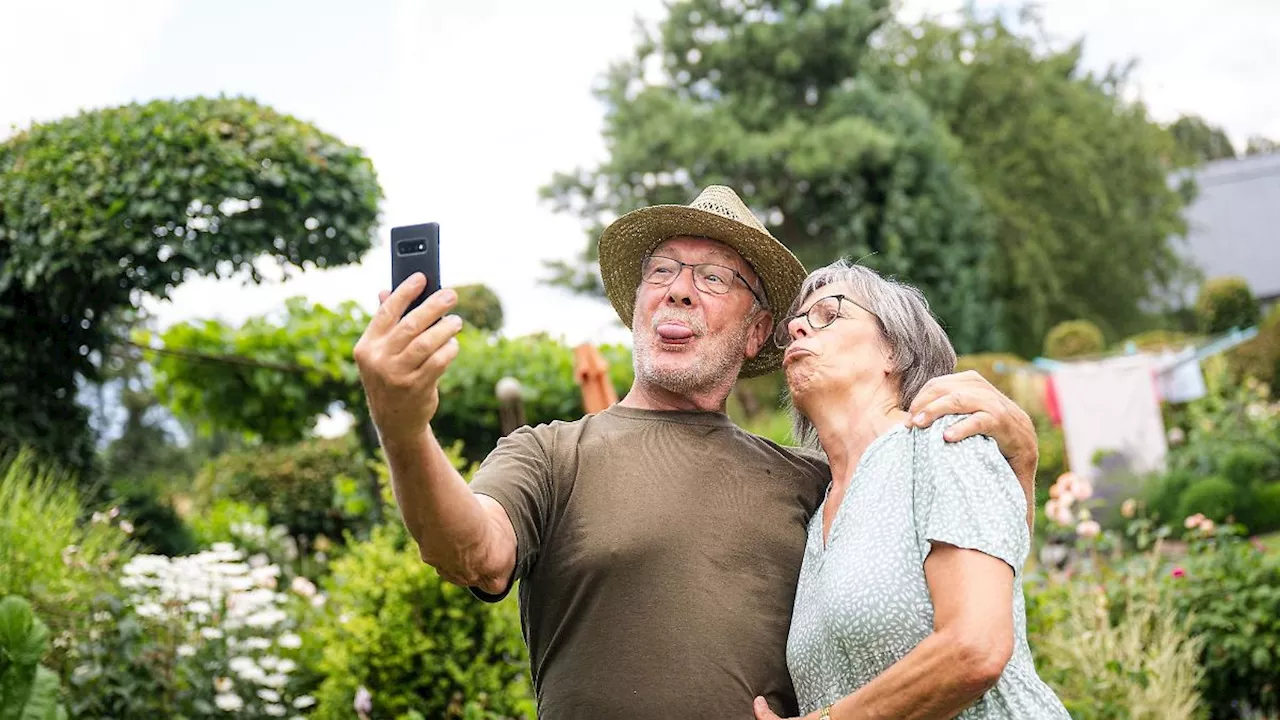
x: 862, y: 602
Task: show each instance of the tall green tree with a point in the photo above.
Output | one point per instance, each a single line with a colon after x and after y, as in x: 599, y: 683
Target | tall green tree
x: 1200, y: 140
x: 103, y: 208
x: 1074, y: 176
x: 772, y: 99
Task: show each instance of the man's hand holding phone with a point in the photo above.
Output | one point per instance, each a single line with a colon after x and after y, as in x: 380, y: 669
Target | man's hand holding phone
x: 402, y: 357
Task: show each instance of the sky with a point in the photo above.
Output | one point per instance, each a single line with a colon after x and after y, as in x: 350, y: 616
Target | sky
x: 467, y: 108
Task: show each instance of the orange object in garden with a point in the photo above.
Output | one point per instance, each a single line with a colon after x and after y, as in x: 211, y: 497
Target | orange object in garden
x: 591, y: 371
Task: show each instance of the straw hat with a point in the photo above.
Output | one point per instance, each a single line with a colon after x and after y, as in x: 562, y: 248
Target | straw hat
x: 717, y: 213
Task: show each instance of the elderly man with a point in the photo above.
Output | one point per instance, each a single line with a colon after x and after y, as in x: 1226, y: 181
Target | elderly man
x: 657, y: 545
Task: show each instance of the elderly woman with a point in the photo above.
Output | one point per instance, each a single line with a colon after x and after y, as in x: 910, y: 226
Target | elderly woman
x: 909, y: 602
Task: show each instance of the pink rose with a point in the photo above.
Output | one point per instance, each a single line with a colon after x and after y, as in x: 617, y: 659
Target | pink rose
x: 1088, y: 529
x: 1193, y: 520
x: 1178, y: 572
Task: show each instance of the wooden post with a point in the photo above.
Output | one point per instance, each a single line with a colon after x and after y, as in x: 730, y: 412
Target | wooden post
x: 510, y: 404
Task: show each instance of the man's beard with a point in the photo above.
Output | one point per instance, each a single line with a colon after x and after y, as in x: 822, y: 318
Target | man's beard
x: 716, y: 361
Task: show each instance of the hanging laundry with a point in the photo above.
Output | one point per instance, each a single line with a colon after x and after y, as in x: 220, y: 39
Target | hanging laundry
x: 1112, y: 407
x: 1180, y: 378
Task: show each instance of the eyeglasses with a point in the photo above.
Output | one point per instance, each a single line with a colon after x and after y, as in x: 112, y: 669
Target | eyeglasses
x: 819, y: 315
x: 707, y: 277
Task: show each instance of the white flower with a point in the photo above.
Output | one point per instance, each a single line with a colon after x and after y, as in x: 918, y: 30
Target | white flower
x: 290, y: 640
x: 258, y: 560
x: 223, y: 547
x: 318, y: 601
x: 228, y: 702
x: 277, y: 680
x: 257, y: 643
x: 1088, y: 529
x: 266, y: 618
x: 223, y: 684
x: 127, y: 527
x: 245, y: 667
x: 114, y: 512
x: 210, y: 633
x: 149, y: 609
x: 99, y: 517
x: 102, y: 616
x: 269, y: 662
x: 303, y: 702
x: 287, y: 666
x: 200, y: 607
x: 186, y: 651
x: 269, y: 695
x: 274, y: 710
x: 364, y: 701
x: 303, y: 587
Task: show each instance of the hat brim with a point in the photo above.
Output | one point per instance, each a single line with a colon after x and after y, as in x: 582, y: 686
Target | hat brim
x: 625, y: 243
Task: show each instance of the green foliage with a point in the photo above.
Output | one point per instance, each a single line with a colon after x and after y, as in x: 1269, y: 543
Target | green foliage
x: 544, y: 367
x: 104, y: 208
x: 1230, y: 456
x: 1260, y: 145
x: 299, y: 485
x: 479, y: 307
x: 1073, y: 175
x: 148, y: 506
x: 216, y: 522
x: 775, y: 103
x: 1260, y: 357
x: 1138, y: 664
x: 1225, y: 303
x: 299, y: 366
x: 28, y: 690
x: 1200, y: 141
x: 1155, y: 340
x: 416, y: 642
x: 1230, y: 595
x: 1214, y: 497
x: 1074, y: 338
x: 49, y: 553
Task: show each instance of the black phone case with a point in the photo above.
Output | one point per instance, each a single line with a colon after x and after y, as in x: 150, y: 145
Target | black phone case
x: 416, y: 248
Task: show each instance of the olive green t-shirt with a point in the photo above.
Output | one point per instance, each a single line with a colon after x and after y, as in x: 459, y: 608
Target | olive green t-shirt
x: 657, y: 554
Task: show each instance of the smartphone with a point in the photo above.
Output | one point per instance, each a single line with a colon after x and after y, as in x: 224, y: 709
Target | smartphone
x: 416, y: 248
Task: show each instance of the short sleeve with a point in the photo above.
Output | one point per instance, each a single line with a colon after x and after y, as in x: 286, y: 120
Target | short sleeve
x: 517, y: 474
x: 966, y: 495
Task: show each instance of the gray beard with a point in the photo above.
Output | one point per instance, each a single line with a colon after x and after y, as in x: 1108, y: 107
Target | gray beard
x: 713, y: 365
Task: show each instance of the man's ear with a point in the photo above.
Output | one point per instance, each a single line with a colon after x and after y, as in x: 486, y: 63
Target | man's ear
x: 759, y: 333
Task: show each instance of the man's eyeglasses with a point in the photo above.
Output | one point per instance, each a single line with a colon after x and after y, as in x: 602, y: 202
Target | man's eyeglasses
x: 819, y: 315
x: 707, y: 277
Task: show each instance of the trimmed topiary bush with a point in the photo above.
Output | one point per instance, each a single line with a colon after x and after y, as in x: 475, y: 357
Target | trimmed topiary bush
x: 1225, y: 303
x: 1214, y: 497
x: 1074, y: 338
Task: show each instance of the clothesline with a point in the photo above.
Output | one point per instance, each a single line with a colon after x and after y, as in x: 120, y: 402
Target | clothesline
x: 1227, y: 341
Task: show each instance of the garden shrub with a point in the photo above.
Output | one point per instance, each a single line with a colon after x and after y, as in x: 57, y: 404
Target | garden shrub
x: 1140, y: 663
x: 1074, y: 338
x: 1214, y: 497
x: 415, y: 642
x: 1155, y: 340
x: 300, y: 485
x: 1225, y: 303
x: 49, y: 553
x: 1260, y: 357
x: 157, y: 526
x: 1229, y: 592
x: 479, y: 307
x: 469, y: 408
x: 985, y: 364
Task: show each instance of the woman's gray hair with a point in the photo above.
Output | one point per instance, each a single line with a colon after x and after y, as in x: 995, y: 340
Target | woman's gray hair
x: 917, y: 343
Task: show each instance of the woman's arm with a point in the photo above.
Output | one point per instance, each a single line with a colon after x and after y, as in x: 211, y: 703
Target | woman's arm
x: 972, y: 641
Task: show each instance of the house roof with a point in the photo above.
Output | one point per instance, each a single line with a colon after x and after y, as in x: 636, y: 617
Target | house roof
x: 1234, y: 223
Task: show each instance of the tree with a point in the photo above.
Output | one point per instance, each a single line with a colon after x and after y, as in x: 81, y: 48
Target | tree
x: 1201, y: 141
x: 1259, y: 145
x: 771, y: 99
x: 479, y: 307
x: 1073, y: 176
x: 100, y: 209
